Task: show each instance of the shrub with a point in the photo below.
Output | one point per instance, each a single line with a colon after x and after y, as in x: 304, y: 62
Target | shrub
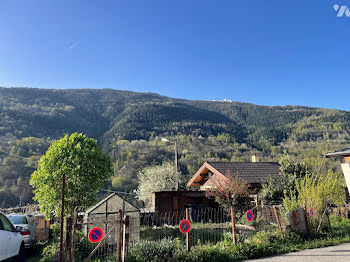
x: 153, y: 251
x: 206, y: 253
x: 316, y: 192
x: 49, y: 252
x: 277, y: 186
x: 340, y: 227
x: 56, y: 228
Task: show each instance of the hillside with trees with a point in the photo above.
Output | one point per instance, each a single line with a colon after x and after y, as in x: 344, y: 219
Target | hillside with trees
x: 130, y: 127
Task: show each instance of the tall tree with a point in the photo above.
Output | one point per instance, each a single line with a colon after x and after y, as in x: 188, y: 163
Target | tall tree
x: 86, y: 168
x: 156, y: 178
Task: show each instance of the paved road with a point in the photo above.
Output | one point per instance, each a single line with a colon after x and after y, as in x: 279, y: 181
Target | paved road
x: 339, y: 253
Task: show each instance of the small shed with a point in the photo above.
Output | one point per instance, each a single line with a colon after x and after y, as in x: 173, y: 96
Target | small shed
x: 106, y: 211
x: 42, y: 229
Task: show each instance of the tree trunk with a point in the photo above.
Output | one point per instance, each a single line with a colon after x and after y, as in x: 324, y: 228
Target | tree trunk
x: 233, y: 224
x: 69, y: 228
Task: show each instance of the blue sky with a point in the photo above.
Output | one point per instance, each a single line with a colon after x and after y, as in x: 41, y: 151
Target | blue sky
x: 269, y: 52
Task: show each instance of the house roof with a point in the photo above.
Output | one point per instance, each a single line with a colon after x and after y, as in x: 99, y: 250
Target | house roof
x: 343, y: 152
x: 252, y: 173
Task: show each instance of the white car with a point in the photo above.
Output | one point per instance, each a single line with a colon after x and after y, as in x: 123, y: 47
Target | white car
x: 11, y: 241
x: 27, y: 223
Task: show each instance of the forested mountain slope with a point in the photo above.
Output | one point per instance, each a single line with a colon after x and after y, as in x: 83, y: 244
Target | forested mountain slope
x: 130, y: 126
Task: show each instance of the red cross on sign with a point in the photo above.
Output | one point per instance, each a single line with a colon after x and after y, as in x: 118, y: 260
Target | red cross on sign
x: 311, y: 212
x: 250, y: 215
x: 185, y: 226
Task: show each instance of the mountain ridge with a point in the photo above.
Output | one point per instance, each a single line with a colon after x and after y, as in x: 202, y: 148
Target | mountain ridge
x: 129, y: 126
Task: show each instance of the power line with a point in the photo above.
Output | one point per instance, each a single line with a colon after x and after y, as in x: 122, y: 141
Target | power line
x: 118, y: 192
x: 16, y: 155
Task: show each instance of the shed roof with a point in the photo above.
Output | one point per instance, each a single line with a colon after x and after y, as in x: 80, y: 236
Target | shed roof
x: 92, y: 208
x: 342, y: 152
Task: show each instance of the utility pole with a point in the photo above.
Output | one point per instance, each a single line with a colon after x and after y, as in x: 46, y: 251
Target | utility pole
x: 176, y: 165
x: 176, y: 159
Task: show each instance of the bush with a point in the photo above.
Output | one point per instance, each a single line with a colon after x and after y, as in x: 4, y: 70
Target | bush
x: 56, y: 228
x: 261, y: 245
x: 339, y: 226
x: 49, y: 252
x: 206, y: 253
x: 315, y: 191
x: 153, y: 251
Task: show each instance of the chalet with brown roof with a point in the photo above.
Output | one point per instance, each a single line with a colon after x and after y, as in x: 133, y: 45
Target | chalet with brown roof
x: 210, y: 174
x: 254, y: 173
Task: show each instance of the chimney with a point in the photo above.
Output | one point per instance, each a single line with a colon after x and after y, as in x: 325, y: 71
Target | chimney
x: 255, y: 158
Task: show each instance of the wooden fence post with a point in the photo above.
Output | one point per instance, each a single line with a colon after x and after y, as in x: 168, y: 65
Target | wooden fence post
x: 75, y: 221
x: 120, y: 235
x: 278, y: 221
x: 116, y: 239
x: 188, y: 235
x: 233, y: 223
x: 125, y: 238
x: 307, y: 220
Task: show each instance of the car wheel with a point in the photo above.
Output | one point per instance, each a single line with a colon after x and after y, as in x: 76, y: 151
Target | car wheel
x: 21, y: 255
x: 32, y: 248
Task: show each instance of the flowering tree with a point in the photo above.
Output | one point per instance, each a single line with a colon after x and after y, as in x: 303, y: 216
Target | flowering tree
x: 156, y: 178
x: 230, y: 192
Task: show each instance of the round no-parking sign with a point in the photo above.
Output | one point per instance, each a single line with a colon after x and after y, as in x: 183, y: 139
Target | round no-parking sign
x: 95, y: 235
x: 185, y: 226
x: 249, y: 215
x: 311, y: 212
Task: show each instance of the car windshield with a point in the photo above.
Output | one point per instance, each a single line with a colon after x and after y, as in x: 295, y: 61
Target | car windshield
x: 18, y: 219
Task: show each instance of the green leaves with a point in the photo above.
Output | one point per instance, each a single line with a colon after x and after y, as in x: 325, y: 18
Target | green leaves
x: 86, y: 168
x: 315, y: 191
x: 157, y: 178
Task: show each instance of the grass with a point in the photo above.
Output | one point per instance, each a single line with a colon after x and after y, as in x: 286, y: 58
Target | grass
x: 254, y: 250
x: 37, y: 252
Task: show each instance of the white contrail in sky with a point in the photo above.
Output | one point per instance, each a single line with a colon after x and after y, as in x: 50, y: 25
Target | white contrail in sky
x: 74, y: 45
